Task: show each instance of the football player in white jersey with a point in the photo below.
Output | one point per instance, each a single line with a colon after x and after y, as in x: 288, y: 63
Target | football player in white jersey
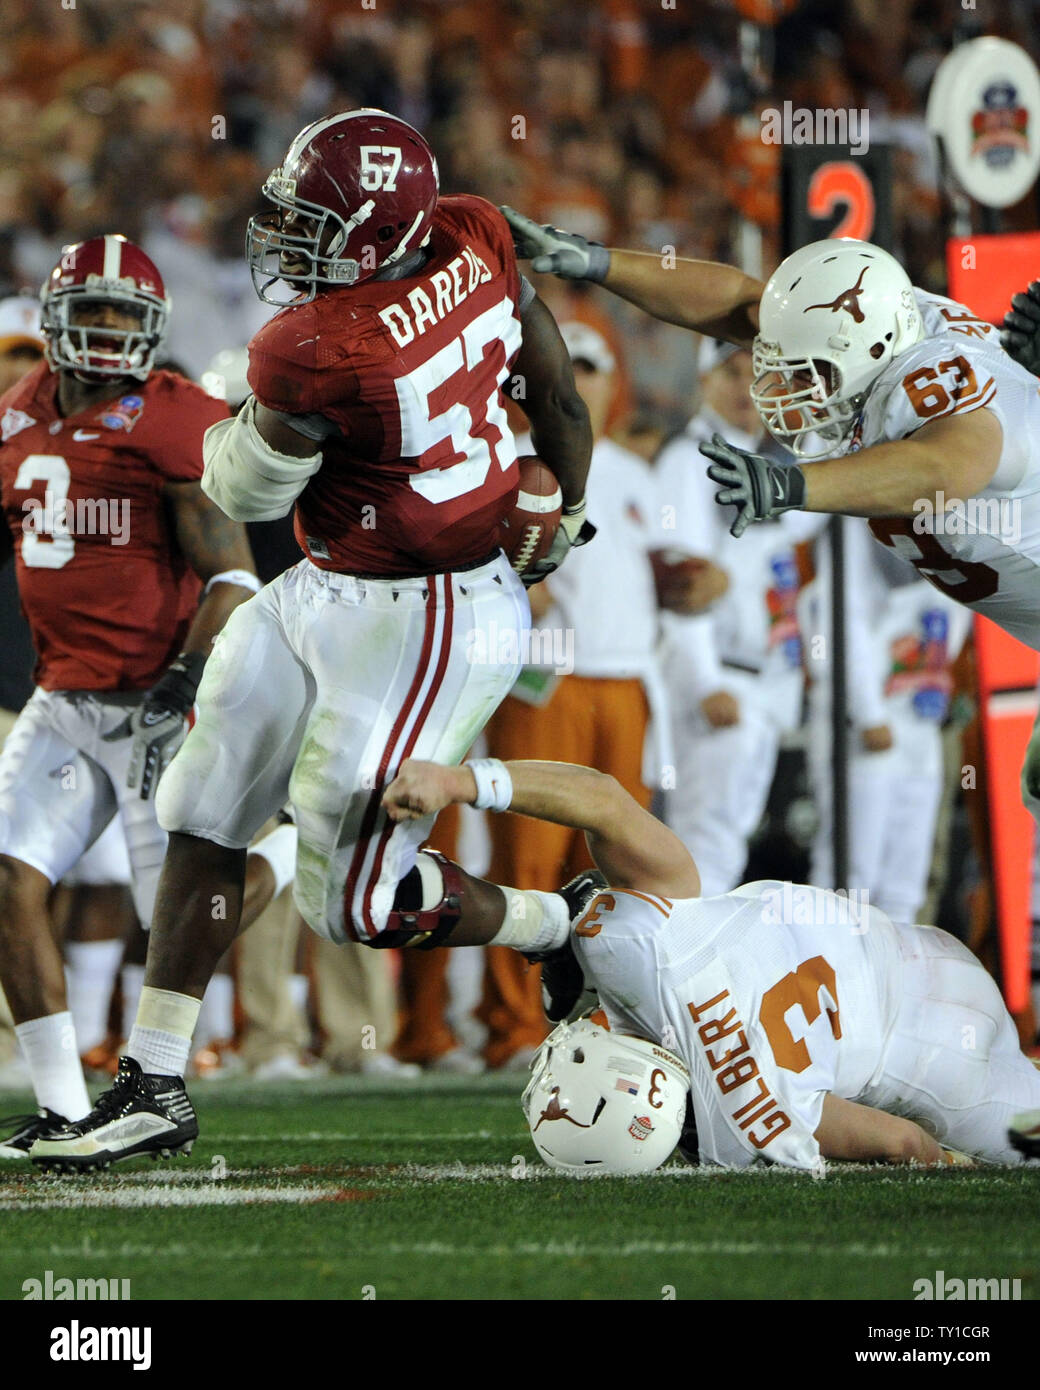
x: 926, y: 425
x: 803, y: 1032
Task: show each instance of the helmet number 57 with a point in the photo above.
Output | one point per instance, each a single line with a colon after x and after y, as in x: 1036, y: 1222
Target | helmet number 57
x: 375, y: 175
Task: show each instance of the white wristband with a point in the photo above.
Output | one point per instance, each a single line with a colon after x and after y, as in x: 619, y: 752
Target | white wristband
x: 494, y: 784
x: 242, y: 578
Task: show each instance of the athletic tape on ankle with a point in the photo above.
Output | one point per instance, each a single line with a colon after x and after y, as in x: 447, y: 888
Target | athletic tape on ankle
x: 165, y: 1011
x: 494, y: 784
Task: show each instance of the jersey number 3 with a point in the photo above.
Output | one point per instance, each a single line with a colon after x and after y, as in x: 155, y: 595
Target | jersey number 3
x: 810, y: 987
x: 46, y: 542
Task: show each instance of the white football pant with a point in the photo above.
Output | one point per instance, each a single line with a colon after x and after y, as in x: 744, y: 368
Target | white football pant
x: 317, y: 690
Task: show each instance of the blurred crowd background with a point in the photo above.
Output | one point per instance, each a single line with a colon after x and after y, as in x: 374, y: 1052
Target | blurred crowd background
x: 631, y: 121
x: 617, y: 118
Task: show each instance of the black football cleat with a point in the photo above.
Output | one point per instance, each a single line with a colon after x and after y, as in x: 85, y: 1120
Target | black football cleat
x: 139, y: 1114
x: 581, y: 890
x: 1024, y: 1133
x: 27, y: 1129
x: 564, y: 992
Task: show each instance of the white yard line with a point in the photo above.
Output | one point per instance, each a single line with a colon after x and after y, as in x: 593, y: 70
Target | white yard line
x: 320, y: 1136
x: 75, y: 1195
x: 436, y: 1249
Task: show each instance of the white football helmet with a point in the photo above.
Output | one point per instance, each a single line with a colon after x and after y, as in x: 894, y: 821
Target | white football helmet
x: 831, y: 318
x: 603, y: 1102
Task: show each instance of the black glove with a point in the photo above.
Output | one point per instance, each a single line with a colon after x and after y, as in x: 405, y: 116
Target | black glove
x: 157, y: 725
x: 557, y: 252
x: 1021, y: 329
x: 564, y: 541
x: 757, y: 488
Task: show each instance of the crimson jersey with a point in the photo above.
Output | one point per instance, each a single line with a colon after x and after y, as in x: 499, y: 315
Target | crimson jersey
x: 105, y: 587
x: 424, y: 468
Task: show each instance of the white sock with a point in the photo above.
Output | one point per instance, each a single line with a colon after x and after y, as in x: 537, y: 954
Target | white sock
x: 49, y: 1048
x: 534, y: 921
x: 90, y: 973
x: 279, y: 849
x: 216, y: 1017
x: 299, y: 992
x: 131, y: 980
x: 160, y: 1040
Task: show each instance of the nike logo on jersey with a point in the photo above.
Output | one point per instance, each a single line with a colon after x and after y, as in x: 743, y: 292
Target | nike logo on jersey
x: 81, y: 436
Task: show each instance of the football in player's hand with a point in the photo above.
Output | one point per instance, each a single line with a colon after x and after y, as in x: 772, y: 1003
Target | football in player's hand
x: 527, y: 533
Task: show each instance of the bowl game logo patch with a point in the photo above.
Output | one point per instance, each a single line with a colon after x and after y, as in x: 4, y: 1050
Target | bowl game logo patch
x: 124, y: 415
x: 641, y: 1128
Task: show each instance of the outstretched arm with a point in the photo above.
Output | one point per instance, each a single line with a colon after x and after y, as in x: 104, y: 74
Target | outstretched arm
x: 956, y: 456
x: 848, y: 1130
x: 632, y: 847
x: 705, y: 296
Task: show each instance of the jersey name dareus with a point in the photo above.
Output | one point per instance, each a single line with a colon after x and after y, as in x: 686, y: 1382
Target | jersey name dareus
x: 424, y: 307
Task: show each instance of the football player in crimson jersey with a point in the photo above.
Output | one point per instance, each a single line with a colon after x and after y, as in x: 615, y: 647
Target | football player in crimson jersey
x: 113, y: 541
x: 377, y: 411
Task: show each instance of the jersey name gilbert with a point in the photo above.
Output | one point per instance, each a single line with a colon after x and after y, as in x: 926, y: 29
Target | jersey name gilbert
x: 449, y: 288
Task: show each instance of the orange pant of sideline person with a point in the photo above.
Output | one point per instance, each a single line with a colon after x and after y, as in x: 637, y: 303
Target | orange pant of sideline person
x: 601, y: 723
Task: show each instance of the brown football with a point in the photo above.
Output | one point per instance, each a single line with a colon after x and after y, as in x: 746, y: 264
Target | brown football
x: 526, y: 534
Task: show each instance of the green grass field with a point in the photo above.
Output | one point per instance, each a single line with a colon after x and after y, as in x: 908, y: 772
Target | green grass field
x: 346, y: 1189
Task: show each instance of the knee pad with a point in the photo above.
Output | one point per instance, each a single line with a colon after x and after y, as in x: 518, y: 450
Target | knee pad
x: 427, y: 904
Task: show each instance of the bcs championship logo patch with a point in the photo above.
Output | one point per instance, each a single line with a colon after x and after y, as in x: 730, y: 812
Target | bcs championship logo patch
x: 124, y: 415
x: 1000, y: 128
x: 641, y: 1128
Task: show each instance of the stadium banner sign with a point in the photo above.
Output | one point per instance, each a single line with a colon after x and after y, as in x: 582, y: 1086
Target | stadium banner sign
x: 984, y: 109
x: 983, y: 272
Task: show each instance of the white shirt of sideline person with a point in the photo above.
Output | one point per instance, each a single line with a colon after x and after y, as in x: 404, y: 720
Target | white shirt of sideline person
x: 597, y: 615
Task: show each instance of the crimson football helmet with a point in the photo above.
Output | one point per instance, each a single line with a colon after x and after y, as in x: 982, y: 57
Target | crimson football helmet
x: 355, y: 194
x: 104, y: 270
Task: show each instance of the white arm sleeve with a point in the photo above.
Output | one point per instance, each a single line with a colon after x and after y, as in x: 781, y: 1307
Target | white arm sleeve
x: 245, y: 477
